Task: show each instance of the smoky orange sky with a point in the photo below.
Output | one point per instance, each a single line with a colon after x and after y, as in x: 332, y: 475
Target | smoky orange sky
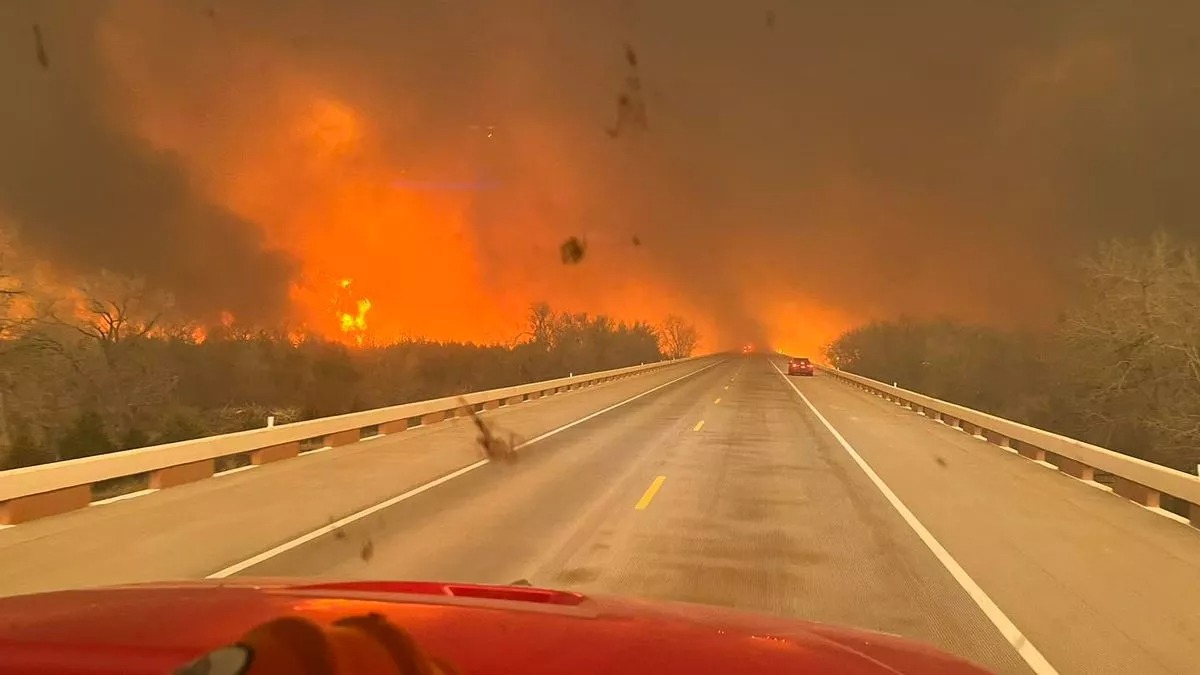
x: 803, y: 166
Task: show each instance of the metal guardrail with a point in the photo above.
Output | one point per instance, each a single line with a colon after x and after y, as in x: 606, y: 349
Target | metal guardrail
x: 37, y: 491
x: 1135, y: 479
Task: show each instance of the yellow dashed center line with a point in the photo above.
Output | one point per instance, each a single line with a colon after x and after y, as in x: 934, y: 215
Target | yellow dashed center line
x: 655, y: 485
x: 699, y: 426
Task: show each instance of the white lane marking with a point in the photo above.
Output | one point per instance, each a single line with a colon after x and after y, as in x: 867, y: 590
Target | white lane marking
x: 236, y: 469
x: 338, y: 524
x: 614, y: 406
x: 121, y: 498
x: 999, y: 619
x: 1166, y: 514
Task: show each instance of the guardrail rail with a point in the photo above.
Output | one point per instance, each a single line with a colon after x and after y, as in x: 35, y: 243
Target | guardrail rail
x: 1135, y: 479
x: 38, y: 491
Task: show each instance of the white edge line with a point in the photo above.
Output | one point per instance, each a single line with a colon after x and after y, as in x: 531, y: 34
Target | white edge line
x: 337, y: 524
x: 1166, y: 514
x: 614, y: 406
x: 999, y: 619
x: 236, y: 469
x: 121, y: 498
x: 1091, y: 483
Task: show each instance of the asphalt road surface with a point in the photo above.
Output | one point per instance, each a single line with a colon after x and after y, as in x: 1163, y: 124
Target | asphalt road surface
x: 721, y: 489
x: 720, y: 481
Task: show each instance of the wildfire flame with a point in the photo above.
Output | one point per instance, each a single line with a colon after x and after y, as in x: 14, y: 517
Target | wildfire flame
x: 355, y: 324
x: 309, y: 160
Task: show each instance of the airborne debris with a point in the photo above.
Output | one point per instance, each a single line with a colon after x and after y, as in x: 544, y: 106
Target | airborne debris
x: 494, y: 447
x: 40, y: 46
x: 631, y: 108
x: 940, y: 461
x: 521, y: 582
x: 636, y: 240
x: 572, y: 250
x: 368, y: 550
x: 770, y: 18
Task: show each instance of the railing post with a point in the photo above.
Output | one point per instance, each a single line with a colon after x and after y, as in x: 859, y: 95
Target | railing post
x: 1136, y: 492
x: 1072, y: 468
x: 32, y: 507
x: 275, y: 453
x: 184, y: 473
x: 1032, y: 452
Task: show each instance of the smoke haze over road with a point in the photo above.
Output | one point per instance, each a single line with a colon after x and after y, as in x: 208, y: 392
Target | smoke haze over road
x: 775, y: 171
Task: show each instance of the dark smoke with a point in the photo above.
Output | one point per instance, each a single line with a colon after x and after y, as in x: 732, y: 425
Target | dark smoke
x: 87, y: 195
x: 935, y: 157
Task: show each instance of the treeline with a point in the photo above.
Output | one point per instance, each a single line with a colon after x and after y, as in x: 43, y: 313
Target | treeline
x: 1121, y: 369
x: 112, y: 370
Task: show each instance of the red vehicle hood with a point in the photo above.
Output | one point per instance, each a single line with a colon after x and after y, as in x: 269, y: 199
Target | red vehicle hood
x: 483, y: 630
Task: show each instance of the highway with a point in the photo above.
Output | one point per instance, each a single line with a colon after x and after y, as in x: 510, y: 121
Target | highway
x: 720, y: 482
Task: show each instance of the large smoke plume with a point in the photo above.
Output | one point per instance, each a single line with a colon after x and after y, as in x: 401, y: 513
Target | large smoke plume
x: 797, y: 160
x: 88, y: 194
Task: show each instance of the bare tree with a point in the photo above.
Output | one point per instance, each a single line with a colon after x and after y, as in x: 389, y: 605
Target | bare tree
x: 678, y: 337
x: 16, y: 320
x: 114, y: 321
x: 114, y: 311
x: 1135, y: 337
x: 541, y: 325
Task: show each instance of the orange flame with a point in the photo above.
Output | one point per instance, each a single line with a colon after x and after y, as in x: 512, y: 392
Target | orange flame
x: 354, y: 323
x: 313, y: 162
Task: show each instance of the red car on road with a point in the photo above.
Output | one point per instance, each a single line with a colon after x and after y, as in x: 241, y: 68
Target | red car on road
x: 375, y: 628
x: 800, y: 365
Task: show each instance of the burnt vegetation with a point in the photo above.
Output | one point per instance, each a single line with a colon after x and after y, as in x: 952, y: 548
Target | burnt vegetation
x: 118, y: 368
x: 1120, y: 369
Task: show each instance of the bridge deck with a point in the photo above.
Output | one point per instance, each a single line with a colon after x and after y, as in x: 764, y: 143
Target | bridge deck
x: 192, y: 530
x: 760, y: 507
x: 1098, y: 583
